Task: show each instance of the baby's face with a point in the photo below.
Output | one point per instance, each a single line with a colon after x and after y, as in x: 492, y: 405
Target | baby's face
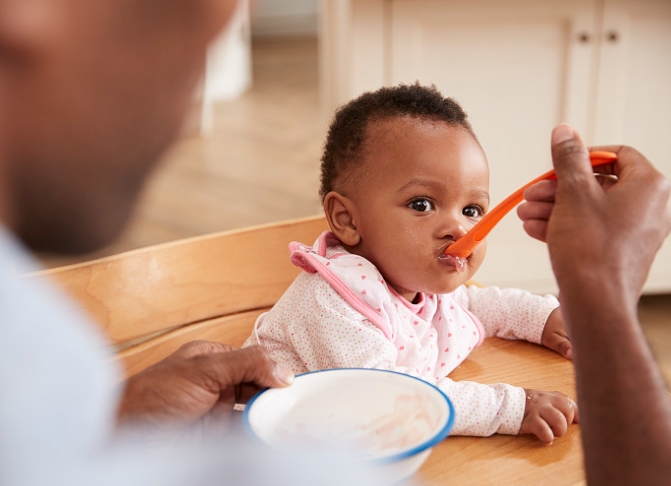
x: 422, y: 186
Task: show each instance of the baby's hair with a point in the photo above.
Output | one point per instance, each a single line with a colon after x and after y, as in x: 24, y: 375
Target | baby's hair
x: 346, y: 135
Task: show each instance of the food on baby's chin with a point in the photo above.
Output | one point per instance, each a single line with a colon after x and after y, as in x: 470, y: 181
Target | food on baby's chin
x: 457, y: 262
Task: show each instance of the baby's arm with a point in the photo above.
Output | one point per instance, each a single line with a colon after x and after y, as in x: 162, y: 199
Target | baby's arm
x: 518, y: 314
x: 483, y: 410
x: 508, y: 313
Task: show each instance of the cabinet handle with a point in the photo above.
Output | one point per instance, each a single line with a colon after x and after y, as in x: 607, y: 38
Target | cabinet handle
x: 613, y: 36
x: 583, y: 37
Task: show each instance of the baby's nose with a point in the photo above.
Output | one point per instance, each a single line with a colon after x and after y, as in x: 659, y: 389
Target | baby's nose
x: 454, y: 230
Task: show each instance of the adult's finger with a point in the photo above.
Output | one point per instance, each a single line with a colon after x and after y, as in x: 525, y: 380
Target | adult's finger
x: 534, y: 210
x: 248, y: 365
x: 543, y: 191
x: 537, y: 229
x: 537, y: 207
x: 196, y: 348
x: 244, y: 392
x: 570, y: 157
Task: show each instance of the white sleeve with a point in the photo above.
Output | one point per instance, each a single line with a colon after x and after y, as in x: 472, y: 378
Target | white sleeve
x: 312, y: 327
x: 483, y: 410
x: 508, y: 313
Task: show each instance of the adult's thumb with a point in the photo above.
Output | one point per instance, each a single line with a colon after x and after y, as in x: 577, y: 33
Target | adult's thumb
x: 570, y: 157
x: 248, y: 365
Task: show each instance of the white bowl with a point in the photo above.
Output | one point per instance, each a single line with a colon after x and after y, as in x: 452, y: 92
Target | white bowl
x: 387, y: 418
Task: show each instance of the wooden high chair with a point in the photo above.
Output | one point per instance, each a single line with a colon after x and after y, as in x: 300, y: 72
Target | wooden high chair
x: 151, y: 301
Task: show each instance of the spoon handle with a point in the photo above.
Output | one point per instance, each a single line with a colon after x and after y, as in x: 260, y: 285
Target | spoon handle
x: 465, y: 245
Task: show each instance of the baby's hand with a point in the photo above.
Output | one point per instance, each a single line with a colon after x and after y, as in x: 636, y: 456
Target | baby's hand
x: 555, y: 336
x: 548, y: 414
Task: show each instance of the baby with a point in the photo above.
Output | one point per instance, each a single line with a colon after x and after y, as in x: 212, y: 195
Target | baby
x: 403, y: 177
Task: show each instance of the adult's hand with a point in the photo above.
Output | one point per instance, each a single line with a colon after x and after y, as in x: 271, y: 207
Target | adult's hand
x: 602, y: 240
x: 599, y: 233
x: 200, y: 382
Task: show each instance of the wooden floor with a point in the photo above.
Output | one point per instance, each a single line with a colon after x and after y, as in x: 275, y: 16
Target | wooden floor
x: 261, y: 164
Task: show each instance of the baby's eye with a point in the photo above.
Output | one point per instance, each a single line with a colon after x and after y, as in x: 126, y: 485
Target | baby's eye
x: 473, y: 211
x: 421, y: 205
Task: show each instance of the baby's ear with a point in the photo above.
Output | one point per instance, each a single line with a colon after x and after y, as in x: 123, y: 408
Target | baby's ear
x: 340, y: 215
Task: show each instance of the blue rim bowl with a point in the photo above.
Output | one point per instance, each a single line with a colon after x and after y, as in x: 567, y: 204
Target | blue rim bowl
x: 437, y: 436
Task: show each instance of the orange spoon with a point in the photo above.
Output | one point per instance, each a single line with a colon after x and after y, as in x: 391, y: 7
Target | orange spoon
x: 464, y: 246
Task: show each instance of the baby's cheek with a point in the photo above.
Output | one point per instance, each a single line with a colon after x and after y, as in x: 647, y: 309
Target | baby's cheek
x: 476, y: 258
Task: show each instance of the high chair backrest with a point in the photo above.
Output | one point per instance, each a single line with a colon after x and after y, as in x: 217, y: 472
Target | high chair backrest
x: 151, y: 301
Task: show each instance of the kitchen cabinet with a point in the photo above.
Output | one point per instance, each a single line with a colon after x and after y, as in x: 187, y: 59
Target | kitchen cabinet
x: 518, y: 67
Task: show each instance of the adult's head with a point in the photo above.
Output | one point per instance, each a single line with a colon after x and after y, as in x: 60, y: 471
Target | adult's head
x: 91, y: 94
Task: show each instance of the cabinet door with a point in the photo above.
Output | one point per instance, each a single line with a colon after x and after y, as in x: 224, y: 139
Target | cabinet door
x: 634, y: 95
x: 518, y: 69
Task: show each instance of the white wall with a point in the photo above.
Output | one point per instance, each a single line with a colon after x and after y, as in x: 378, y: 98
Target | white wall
x: 284, y: 17
x: 228, y: 70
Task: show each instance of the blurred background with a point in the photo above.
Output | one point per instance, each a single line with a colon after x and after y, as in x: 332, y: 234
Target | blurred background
x: 251, y: 146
